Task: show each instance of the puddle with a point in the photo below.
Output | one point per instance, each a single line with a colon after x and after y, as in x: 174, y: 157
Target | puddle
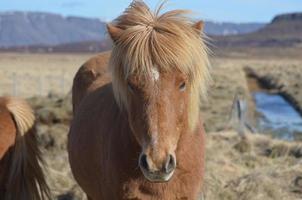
x: 277, y: 116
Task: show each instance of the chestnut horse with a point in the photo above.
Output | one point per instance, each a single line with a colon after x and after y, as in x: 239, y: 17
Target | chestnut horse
x: 137, y: 132
x: 21, y: 176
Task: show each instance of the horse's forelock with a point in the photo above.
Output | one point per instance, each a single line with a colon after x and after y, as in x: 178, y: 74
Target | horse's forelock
x: 167, y: 41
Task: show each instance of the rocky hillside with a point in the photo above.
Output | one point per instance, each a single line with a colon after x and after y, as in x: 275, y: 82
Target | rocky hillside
x: 284, y: 31
x: 288, y: 17
x: 287, y: 27
x: 34, y: 28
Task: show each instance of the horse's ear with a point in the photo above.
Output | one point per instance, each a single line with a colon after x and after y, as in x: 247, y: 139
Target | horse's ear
x: 198, y: 26
x: 114, y: 32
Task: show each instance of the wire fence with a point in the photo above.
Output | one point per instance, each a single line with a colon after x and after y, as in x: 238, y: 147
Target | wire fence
x: 28, y: 85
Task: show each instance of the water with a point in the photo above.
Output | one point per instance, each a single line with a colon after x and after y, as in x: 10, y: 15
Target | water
x: 277, y: 117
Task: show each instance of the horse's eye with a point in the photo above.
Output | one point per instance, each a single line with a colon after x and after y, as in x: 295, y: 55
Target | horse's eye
x: 182, y: 86
x: 131, y: 87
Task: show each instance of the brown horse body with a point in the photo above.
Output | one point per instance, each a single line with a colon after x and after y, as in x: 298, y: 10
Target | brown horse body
x: 151, y: 146
x: 103, y: 150
x: 21, y: 176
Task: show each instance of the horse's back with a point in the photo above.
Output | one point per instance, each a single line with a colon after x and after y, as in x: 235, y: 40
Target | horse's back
x: 91, y: 75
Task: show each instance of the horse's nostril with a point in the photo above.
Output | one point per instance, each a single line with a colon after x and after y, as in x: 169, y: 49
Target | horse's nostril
x: 170, y: 164
x: 143, y: 162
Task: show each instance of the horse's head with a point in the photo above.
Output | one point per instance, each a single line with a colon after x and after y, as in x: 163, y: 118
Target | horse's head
x: 159, y: 69
x: 158, y: 107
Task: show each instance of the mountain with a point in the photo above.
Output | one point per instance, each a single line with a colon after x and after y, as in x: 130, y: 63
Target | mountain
x: 75, y: 47
x: 33, y: 28
x: 37, y: 28
x: 284, y: 31
x: 54, y: 33
x: 224, y: 28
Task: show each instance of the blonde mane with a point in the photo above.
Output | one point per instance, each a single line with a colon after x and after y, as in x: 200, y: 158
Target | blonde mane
x: 167, y: 41
x: 22, y: 113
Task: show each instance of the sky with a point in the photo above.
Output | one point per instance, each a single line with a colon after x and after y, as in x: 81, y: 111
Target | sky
x: 216, y: 10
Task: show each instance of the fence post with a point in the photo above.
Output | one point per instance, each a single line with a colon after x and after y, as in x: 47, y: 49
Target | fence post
x: 63, y: 81
x: 15, y: 84
x: 40, y: 81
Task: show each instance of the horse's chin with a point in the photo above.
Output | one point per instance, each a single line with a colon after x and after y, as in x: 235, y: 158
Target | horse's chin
x: 157, y: 177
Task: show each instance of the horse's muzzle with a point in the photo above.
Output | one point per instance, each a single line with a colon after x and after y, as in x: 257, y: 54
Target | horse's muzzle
x: 163, y: 174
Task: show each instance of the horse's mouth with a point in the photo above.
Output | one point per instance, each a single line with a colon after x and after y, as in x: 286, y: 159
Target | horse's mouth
x: 157, y: 177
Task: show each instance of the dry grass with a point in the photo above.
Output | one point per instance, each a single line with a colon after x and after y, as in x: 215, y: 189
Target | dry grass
x: 264, y: 53
x: 256, y: 167
x: 29, y: 75
x: 229, y: 77
x: 267, y: 170
x: 251, y: 169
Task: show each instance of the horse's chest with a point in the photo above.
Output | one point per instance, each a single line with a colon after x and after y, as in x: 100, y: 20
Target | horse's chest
x: 142, y: 190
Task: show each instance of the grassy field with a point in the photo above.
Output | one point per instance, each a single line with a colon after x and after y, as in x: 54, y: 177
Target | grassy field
x: 256, y: 167
x: 29, y: 75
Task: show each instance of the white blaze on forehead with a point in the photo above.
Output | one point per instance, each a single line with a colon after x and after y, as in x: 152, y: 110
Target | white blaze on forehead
x: 154, y: 74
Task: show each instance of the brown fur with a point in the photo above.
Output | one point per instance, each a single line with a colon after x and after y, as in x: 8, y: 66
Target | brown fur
x: 83, y: 82
x: 21, y: 176
x: 117, y: 119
